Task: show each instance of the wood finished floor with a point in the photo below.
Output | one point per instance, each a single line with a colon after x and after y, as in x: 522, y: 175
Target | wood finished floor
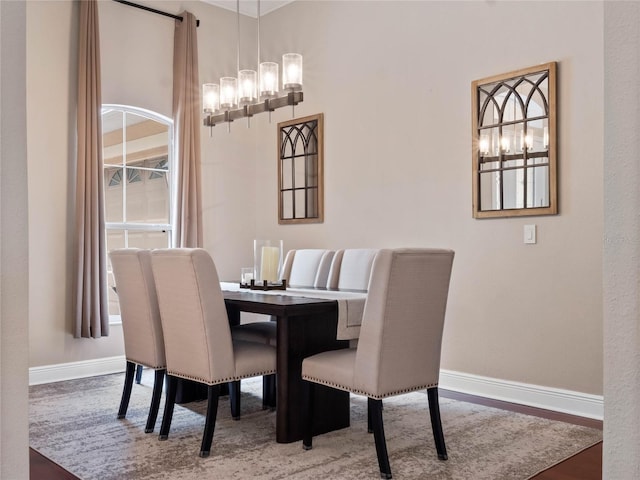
x: 587, y: 465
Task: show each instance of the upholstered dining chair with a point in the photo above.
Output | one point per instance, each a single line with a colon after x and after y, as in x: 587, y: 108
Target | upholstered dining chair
x: 198, y: 341
x: 307, y: 267
x: 351, y: 269
x: 141, y: 326
x: 400, y: 342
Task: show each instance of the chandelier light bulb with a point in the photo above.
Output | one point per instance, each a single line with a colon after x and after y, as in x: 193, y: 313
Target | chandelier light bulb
x: 228, y: 92
x: 505, y: 144
x: 484, y: 144
x: 292, y: 71
x: 210, y: 98
x: 268, y: 79
x: 247, y: 86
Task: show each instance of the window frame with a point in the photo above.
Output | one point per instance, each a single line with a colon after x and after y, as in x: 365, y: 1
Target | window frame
x: 125, y: 226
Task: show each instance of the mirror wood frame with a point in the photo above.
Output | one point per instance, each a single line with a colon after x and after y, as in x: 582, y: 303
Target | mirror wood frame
x: 552, y: 207
x: 317, y: 190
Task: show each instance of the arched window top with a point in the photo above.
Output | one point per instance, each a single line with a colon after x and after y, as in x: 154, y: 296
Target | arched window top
x: 142, y: 112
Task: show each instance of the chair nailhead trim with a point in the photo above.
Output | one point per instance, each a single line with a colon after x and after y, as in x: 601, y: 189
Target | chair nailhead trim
x: 145, y: 364
x: 222, y: 380
x: 362, y: 392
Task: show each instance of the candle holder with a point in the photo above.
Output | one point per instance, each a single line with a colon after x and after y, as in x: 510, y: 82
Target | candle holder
x: 267, y: 265
x: 246, y: 277
x: 281, y: 285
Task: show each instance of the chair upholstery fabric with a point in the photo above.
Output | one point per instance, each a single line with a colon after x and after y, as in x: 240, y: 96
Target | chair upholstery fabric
x: 351, y: 269
x: 260, y: 331
x: 401, y: 334
x: 198, y: 339
x: 307, y: 267
x: 141, y: 325
x: 399, y: 346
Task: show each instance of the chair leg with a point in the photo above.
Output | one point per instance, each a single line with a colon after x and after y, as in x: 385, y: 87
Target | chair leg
x: 269, y: 392
x: 307, y: 418
x: 126, y: 391
x: 213, y: 395
x: 139, y: 374
x: 155, y: 401
x: 369, y: 425
x: 265, y: 391
x: 234, y: 398
x: 436, y: 424
x: 375, y: 407
x: 170, y: 401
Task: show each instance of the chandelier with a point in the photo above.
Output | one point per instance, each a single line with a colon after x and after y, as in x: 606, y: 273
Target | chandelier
x: 251, y: 92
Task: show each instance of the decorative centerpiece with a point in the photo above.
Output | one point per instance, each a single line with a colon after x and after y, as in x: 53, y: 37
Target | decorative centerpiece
x: 267, y: 265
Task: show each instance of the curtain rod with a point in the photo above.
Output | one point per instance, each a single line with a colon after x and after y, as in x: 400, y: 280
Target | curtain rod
x: 153, y: 10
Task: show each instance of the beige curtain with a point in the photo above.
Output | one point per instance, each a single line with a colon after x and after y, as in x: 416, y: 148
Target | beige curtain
x: 186, y: 117
x: 91, y: 312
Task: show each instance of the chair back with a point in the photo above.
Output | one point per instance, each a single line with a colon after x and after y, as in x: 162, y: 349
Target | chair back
x: 141, y: 327
x: 351, y: 269
x: 307, y: 267
x: 194, y: 318
x: 401, y: 334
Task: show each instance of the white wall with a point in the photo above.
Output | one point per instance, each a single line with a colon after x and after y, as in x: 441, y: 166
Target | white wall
x: 393, y: 79
x: 52, y: 36
x: 621, y: 241
x: 14, y: 433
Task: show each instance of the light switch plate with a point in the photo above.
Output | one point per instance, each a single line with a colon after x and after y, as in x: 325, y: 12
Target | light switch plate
x: 529, y: 234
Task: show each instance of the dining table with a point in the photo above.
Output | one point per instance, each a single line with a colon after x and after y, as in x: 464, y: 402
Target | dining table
x: 308, y: 321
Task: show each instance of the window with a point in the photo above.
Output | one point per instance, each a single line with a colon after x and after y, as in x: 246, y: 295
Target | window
x: 137, y: 161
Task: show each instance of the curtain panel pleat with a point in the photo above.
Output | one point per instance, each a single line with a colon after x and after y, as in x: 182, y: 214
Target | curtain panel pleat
x: 91, y: 317
x: 186, y: 117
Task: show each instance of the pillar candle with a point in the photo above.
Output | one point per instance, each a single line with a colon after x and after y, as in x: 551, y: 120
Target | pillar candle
x: 269, y: 263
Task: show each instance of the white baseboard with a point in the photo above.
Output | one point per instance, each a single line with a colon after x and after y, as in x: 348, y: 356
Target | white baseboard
x: 69, y: 371
x: 558, y: 400
x: 555, y: 399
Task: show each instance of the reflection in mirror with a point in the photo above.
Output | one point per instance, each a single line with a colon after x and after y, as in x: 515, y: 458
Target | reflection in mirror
x: 300, y: 170
x: 514, y: 143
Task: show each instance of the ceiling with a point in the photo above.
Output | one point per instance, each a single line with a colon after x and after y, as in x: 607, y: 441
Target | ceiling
x: 250, y: 7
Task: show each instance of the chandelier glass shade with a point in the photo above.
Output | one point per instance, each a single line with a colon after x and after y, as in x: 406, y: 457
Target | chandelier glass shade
x: 253, y: 92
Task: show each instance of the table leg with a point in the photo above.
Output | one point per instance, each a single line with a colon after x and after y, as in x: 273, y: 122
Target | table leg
x: 300, y: 337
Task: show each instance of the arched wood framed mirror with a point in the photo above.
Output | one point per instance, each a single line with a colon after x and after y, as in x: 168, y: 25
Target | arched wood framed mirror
x: 300, y: 170
x: 514, y: 143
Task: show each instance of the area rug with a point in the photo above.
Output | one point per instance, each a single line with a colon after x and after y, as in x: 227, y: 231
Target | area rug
x: 74, y: 424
